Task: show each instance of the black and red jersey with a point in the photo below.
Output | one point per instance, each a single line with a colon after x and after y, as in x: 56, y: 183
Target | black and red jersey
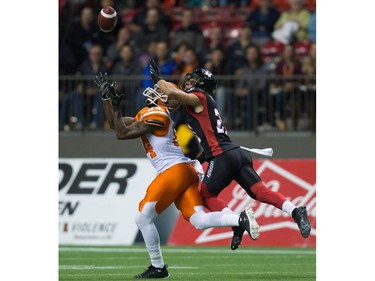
x: 207, y: 126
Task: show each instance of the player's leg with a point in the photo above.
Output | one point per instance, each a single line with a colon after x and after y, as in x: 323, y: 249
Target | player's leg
x: 191, y: 207
x: 220, y: 172
x: 161, y: 193
x: 255, y: 187
x: 218, y: 175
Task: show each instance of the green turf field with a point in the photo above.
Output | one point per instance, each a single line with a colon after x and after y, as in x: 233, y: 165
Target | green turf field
x: 188, y: 263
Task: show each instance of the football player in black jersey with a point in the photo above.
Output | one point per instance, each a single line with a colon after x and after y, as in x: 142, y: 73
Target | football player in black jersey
x: 227, y: 161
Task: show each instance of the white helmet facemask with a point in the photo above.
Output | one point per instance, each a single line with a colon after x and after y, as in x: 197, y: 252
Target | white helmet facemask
x: 153, y: 95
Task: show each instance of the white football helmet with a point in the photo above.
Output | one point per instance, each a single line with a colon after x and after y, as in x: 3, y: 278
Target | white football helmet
x: 156, y: 97
x: 154, y: 94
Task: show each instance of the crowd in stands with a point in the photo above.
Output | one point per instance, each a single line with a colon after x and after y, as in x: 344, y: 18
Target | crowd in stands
x: 248, y: 38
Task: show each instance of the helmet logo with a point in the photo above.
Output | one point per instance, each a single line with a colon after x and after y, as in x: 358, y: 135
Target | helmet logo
x: 207, y: 73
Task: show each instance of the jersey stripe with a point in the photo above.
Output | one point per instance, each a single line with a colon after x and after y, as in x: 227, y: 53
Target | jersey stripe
x: 154, y: 122
x: 205, y: 124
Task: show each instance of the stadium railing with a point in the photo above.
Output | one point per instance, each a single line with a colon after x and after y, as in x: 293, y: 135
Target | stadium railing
x: 256, y: 103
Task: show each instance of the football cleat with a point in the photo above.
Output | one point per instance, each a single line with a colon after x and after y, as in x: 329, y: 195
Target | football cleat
x: 300, y: 217
x: 237, y: 237
x: 153, y: 272
x: 246, y: 222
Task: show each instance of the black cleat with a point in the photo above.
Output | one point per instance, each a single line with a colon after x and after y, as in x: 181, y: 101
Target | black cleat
x: 246, y: 222
x: 237, y: 237
x: 300, y: 217
x: 153, y: 272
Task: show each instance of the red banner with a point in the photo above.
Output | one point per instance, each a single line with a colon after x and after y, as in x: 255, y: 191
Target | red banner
x: 293, y: 178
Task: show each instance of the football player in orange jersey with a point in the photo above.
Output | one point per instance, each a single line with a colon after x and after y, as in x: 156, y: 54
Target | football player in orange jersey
x: 177, y: 180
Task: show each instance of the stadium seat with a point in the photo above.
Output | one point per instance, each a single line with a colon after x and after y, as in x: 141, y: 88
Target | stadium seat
x: 281, y: 5
x: 271, y: 52
x: 302, y: 48
x: 127, y: 16
x: 233, y: 29
x: 206, y: 27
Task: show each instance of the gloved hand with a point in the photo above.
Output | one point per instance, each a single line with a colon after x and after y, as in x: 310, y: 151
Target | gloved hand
x: 106, y: 89
x: 154, y: 71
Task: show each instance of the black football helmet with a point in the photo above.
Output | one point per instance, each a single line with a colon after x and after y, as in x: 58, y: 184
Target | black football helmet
x: 201, y: 78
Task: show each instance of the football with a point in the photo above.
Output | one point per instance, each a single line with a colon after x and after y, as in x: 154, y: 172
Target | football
x: 107, y: 19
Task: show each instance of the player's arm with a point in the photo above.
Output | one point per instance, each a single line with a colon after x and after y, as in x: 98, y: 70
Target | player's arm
x: 171, y: 91
x: 135, y: 130
x: 184, y: 98
x: 106, y: 90
x: 127, y: 127
x: 108, y: 111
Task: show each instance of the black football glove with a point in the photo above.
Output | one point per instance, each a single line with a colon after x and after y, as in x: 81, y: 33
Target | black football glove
x: 154, y: 71
x: 106, y: 89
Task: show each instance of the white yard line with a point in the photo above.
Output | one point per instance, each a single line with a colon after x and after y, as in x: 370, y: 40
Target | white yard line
x: 188, y: 250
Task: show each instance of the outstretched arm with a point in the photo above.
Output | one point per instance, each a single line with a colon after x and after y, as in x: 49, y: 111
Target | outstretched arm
x: 108, y: 111
x: 127, y: 127
x: 171, y: 91
x: 106, y: 90
x: 132, y: 131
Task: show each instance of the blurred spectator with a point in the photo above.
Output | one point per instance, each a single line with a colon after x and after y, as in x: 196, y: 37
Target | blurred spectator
x: 271, y: 52
x: 235, y: 52
x: 215, y: 41
x: 188, y: 63
x: 128, y: 65
x: 165, y: 63
x: 81, y: 35
x: 224, y: 93
x: 151, y: 30
x: 166, y: 67
x: 188, y: 32
x: 150, y: 52
x: 84, y: 99
x: 292, y: 24
x: 250, y: 90
x: 69, y: 12
x: 309, y: 67
x: 306, y: 116
x: 284, y: 87
x: 67, y: 63
x: 179, y: 52
x: 312, y: 28
x: 216, y: 3
x: 139, y: 19
x: 262, y: 20
x: 124, y: 37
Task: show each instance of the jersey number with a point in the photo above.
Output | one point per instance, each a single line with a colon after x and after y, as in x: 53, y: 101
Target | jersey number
x: 219, y: 124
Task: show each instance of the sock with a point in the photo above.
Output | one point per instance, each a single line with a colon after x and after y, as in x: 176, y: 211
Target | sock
x: 265, y: 195
x: 152, y: 240
x: 202, y: 220
x: 226, y: 210
x: 151, y: 237
x: 288, y: 207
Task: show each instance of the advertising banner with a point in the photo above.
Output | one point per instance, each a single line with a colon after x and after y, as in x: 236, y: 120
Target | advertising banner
x: 294, y: 178
x: 98, y: 199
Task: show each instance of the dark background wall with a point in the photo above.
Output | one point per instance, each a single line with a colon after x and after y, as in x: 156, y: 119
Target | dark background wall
x: 105, y: 144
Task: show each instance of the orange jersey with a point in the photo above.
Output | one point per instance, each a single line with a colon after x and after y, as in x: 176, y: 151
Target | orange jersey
x: 161, y: 146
